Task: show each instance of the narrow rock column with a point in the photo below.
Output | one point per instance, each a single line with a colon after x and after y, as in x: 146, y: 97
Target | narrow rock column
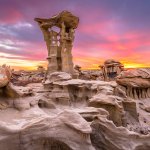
x: 66, y: 40
x: 60, y: 43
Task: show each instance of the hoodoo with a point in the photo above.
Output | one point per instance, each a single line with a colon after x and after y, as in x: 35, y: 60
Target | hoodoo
x: 59, y: 43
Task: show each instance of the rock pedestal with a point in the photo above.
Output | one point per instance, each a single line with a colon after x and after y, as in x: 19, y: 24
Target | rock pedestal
x: 59, y: 43
x: 111, y: 69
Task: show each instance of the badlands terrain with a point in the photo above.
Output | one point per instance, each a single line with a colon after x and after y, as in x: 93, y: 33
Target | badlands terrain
x: 76, y: 114
x: 66, y: 108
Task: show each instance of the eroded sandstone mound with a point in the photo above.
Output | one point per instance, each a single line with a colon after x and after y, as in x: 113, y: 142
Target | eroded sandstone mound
x: 74, y: 114
x: 5, y: 75
x: 39, y: 131
x: 136, y: 83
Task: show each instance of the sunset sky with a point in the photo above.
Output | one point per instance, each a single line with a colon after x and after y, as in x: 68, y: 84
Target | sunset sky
x: 108, y: 29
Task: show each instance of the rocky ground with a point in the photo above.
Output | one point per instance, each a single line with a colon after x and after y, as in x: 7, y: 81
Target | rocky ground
x: 74, y: 114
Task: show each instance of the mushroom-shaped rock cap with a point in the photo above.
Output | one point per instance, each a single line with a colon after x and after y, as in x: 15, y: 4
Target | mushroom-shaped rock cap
x: 77, y: 67
x: 135, y: 78
x: 143, y: 73
x: 67, y: 17
x: 111, y: 61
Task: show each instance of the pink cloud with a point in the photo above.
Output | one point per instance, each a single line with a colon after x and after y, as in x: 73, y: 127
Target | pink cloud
x: 12, y: 16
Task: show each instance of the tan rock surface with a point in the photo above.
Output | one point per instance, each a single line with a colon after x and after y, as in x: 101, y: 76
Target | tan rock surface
x: 111, y: 69
x: 59, y: 43
x: 136, y: 83
x: 5, y: 75
x: 37, y: 131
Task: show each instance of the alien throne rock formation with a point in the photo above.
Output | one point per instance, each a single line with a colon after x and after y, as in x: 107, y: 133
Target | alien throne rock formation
x: 59, y: 43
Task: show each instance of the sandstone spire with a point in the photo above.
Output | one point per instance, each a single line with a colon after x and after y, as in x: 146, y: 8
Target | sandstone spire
x: 59, y: 43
